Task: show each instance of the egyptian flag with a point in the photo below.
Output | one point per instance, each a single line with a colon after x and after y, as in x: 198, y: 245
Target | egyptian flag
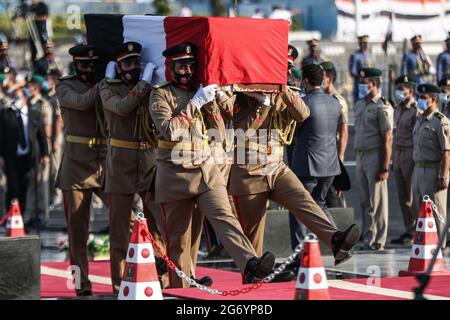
x: 229, y: 50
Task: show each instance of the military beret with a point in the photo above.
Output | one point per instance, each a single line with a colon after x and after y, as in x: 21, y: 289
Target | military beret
x: 406, y: 79
x: 363, y: 38
x: 2, y: 77
x: 417, y: 38
x: 35, y: 78
x: 181, y: 51
x: 369, y: 72
x: 292, y: 53
x: 327, y: 65
x: 428, y: 88
x: 126, y: 50
x: 445, y: 81
x: 296, y: 73
x: 84, y: 52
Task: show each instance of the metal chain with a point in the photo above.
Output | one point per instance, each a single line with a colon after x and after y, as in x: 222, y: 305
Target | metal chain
x: 435, y: 209
x: 192, y: 282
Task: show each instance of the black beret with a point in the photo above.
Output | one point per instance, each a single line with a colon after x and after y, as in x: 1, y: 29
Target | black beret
x: 126, y: 50
x: 327, y: 65
x: 181, y: 51
x: 428, y: 88
x: 292, y: 53
x: 409, y: 79
x: 369, y: 72
x: 445, y: 81
x: 84, y: 52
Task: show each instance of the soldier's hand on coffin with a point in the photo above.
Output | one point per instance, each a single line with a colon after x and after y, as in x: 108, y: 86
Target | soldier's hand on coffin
x: 204, y: 95
x: 263, y: 99
x: 110, y: 72
x: 149, y: 69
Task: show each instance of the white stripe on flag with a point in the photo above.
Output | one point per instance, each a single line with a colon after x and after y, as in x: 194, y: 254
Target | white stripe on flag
x: 149, y: 32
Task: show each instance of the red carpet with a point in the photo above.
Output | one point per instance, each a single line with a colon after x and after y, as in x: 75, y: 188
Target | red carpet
x: 54, y: 286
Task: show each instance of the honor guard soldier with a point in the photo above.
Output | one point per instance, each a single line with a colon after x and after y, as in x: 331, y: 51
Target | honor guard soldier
x: 405, y: 115
x: 443, y: 62
x: 416, y: 62
x: 431, y: 153
x: 82, y: 166
x: 374, y: 118
x: 362, y: 58
x: 266, y: 123
x: 130, y: 163
x: 187, y: 175
x: 444, y: 96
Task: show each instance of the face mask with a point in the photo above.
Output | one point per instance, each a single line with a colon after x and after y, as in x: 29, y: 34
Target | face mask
x: 86, y: 77
x: 443, y: 97
x: 363, y: 90
x: 45, y: 86
x: 422, y: 104
x: 26, y: 92
x: 132, y: 76
x: 399, y: 96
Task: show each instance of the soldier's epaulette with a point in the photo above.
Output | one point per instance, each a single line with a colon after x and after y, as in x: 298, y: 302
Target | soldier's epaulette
x: 67, y: 77
x: 414, y: 105
x: 160, y: 85
x: 113, y: 81
x: 439, y: 115
x: 385, y: 101
x: 294, y: 88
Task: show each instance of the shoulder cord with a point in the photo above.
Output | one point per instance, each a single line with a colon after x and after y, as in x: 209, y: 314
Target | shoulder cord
x: 285, y: 128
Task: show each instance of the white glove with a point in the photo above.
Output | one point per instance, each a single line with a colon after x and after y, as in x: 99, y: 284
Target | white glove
x: 263, y: 99
x: 110, y: 72
x: 147, y: 75
x: 204, y: 95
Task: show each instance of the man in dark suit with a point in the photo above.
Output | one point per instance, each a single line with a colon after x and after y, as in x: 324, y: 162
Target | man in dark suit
x: 315, y: 158
x: 21, y: 130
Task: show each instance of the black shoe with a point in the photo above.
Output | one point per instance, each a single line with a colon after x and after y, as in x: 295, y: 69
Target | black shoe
x: 84, y: 293
x: 258, y: 268
x: 284, y: 276
x: 404, y: 239
x: 161, y: 265
x: 343, y: 243
x: 205, y: 281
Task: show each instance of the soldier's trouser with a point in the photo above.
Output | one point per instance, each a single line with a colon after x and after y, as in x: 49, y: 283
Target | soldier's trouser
x: 373, y: 196
x: 425, y: 183
x: 177, y: 230
x: 289, y: 192
x: 77, y: 204
x: 38, y: 189
x: 403, y: 169
x: 120, y: 211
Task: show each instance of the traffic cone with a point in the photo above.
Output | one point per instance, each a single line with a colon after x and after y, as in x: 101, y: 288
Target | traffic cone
x: 311, y: 279
x: 425, y: 243
x: 14, y: 224
x: 140, y: 278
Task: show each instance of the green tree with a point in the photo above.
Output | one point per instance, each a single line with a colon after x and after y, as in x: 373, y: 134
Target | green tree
x: 162, y: 7
x: 218, y: 8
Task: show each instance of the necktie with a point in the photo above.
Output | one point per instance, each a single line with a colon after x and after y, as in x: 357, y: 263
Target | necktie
x: 22, y: 141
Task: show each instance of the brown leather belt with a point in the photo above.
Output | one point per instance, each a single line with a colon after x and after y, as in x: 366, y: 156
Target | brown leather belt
x: 85, y: 140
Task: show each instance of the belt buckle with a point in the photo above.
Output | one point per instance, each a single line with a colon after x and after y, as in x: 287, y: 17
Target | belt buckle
x: 142, y: 145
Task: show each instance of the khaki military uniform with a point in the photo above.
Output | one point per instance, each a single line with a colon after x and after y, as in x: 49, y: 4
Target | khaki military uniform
x: 373, y: 119
x: 431, y: 137
x: 82, y: 166
x: 39, y: 187
x: 130, y: 165
x: 259, y: 173
x: 402, y: 159
x: 187, y: 176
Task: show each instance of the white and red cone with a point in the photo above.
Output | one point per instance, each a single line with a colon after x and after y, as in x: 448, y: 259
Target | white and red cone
x: 311, y: 279
x: 140, y: 278
x: 425, y: 243
x: 14, y: 224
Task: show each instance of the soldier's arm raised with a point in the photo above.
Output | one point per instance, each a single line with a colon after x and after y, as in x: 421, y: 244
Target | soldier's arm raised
x: 295, y: 105
x: 68, y: 98
x: 123, y: 106
x: 167, y: 123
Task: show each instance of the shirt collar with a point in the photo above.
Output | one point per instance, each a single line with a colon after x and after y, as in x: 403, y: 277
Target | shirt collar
x: 376, y: 98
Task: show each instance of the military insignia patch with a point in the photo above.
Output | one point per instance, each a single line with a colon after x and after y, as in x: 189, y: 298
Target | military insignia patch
x: 188, y: 49
x: 130, y: 47
x: 91, y: 53
x: 361, y: 73
x: 405, y: 79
